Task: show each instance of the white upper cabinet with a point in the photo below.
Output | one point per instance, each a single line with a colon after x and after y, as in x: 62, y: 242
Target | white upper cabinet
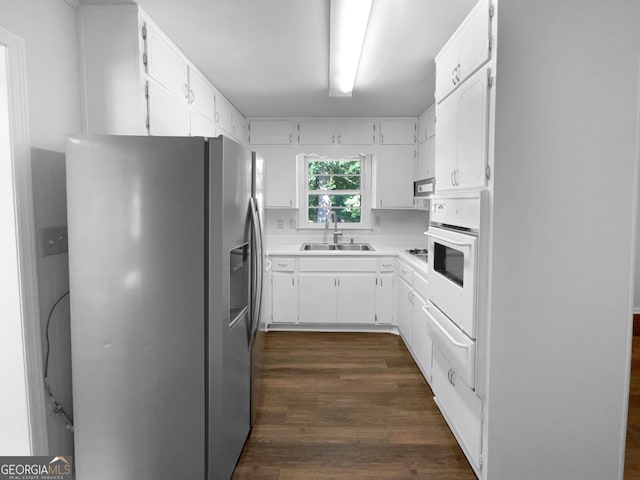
x: 164, y: 63
x: 201, y: 94
x: 317, y: 132
x: 467, y: 50
x: 356, y: 132
x: 168, y: 114
x: 398, y: 132
x: 126, y: 56
x: 223, y: 113
x: 281, y: 189
x: 201, y: 126
x: 427, y: 124
x: 270, y: 132
x: 461, y: 146
x: 394, y: 175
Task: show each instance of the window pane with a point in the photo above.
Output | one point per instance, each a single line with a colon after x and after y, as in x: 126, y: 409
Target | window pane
x: 334, y: 167
x: 332, y: 182
x: 347, y: 208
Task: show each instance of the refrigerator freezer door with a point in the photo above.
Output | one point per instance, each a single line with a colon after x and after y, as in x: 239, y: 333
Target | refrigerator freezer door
x: 136, y: 209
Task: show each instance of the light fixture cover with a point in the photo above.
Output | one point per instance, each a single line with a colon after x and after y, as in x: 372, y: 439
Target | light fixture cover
x: 348, y: 26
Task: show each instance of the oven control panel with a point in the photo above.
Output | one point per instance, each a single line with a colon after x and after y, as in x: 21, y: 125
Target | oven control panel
x: 461, y: 211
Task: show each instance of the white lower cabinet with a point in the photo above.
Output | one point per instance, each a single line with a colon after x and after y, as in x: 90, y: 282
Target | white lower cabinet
x: 284, y: 290
x: 343, y: 299
x: 460, y: 406
x: 403, y: 321
x: 284, y: 298
x: 384, y: 299
x: 421, y: 343
x: 317, y: 295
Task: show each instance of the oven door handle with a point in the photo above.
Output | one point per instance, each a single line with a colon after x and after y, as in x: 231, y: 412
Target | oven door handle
x: 452, y: 242
x: 426, y: 309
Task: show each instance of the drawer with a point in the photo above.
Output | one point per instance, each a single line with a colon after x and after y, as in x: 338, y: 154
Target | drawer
x: 459, y: 349
x: 283, y: 264
x: 338, y: 264
x: 405, y: 272
x: 461, y: 408
x: 385, y: 264
x: 420, y: 285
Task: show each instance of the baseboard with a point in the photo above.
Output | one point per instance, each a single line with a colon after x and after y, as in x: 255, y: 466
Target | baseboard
x: 636, y: 324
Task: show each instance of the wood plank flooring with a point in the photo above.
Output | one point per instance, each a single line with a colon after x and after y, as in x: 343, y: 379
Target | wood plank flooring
x: 347, y: 406
x: 632, y: 453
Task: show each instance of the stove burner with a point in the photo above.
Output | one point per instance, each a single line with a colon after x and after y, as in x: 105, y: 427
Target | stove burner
x: 421, y: 253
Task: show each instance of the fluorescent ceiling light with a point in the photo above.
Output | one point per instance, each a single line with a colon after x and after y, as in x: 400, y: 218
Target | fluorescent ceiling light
x: 348, y: 26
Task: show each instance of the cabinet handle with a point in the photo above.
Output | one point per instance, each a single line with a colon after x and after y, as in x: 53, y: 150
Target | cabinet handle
x: 333, y: 138
x: 458, y: 74
x: 456, y: 172
x: 335, y: 283
x: 289, y: 138
x: 192, y: 96
x: 216, y: 117
x: 282, y: 265
x: 451, y: 178
x: 381, y: 138
x: 290, y: 202
x: 293, y: 281
x: 339, y: 139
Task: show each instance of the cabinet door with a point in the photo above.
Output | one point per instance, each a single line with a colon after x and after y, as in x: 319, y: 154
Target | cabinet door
x: 473, y: 40
x: 223, y: 114
x: 445, y: 148
x: 168, y: 115
x: 238, y: 129
x: 270, y: 132
x: 405, y: 307
x: 384, y: 299
x: 427, y: 124
x: 317, y: 132
x: 395, y: 169
x: 201, y: 94
x: 421, y: 343
x: 398, y: 132
x: 356, y: 132
x: 356, y: 300
x: 165, y: 64
x: 201, y: 126
x: 447, y: 69
x: 471, y: 130
x: 280, y: 176
x: 317, y: 298
x: 284, y: 298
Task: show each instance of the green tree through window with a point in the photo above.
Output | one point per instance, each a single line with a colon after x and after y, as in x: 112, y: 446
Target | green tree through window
x: 334, y: 185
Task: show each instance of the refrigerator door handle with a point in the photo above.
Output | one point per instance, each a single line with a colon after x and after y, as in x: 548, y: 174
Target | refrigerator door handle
x: 259, y: 264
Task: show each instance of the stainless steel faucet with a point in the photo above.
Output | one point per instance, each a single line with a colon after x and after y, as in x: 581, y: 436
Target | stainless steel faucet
x: 336, y: 233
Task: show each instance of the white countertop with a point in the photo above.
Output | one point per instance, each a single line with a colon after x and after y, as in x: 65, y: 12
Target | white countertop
x: 293, y: 250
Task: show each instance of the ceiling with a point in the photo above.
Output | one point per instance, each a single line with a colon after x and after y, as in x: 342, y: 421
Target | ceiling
x: 271, y: 57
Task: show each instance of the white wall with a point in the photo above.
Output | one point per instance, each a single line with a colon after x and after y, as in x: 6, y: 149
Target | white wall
x: 53, y: 87
x: 565, y: 159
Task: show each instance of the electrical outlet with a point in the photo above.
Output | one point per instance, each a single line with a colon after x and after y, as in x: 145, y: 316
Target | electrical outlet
x: 376, y: 220
x: 54, y: 240
x: 280, y: 223
x: 292, y: 223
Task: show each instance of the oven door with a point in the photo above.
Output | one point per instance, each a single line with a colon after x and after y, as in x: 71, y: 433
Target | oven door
x: 452, y: 275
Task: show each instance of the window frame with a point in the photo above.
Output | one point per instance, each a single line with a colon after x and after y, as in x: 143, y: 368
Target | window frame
x: 304, y: 192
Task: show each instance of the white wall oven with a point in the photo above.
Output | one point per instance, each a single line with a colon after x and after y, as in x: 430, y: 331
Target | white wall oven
x: 453, y: 279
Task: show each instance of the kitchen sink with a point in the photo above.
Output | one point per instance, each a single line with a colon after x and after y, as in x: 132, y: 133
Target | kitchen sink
x: 360, y: 247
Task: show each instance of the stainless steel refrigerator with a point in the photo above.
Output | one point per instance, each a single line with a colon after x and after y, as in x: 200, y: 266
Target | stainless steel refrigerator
x: 166, y: 266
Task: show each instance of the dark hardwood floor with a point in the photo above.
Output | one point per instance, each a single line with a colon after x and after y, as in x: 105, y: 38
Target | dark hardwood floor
x: 632, y: 453
x: 347, y: 406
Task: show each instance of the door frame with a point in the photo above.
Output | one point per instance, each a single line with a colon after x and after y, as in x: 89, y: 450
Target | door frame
x: 26, y: 239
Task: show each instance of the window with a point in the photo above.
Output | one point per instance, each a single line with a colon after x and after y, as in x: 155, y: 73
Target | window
x: 337, y: 185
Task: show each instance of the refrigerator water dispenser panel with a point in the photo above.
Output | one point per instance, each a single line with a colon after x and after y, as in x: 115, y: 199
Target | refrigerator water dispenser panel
x: 239, y: 271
